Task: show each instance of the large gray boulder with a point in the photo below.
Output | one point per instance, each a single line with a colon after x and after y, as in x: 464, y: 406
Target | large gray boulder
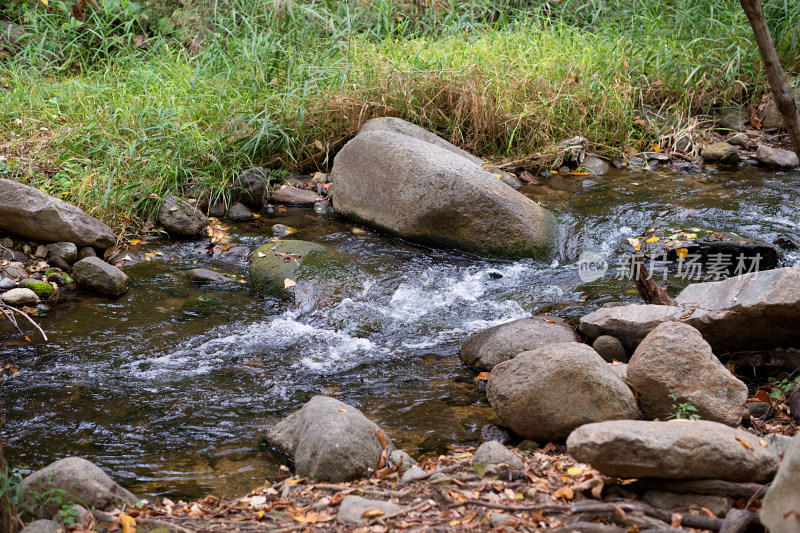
x: 329, y: 441
x: 78, y: 481
x: 546, y: 393
x: 677, y: 449
x: 748, y: 312
x: 675, y: 358
x: 423, y: 193
x: 33, y: 214
x: 403, y: 127
x: 721, y: 152
x: 275, y: 262
x: 96, y: 275
x: 485, y: 349
x: 180, y: 218
x: 776, y: 158
x: 783, y: 496
x: 628, y: 323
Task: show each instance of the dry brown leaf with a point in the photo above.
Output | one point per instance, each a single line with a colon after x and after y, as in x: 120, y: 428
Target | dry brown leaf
x: 372, y: 513
x: 483, y: 376
x: 564, y: 492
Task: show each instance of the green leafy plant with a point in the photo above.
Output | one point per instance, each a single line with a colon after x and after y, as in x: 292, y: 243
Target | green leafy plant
x: 69, y: 513
x: 782, y: 388
x: 682, y: 410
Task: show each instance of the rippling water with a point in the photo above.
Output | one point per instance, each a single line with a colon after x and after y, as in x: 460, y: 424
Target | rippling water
x: 169, y: 386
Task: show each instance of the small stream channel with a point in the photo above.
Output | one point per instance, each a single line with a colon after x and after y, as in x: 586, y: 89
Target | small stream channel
x: 169, y: 386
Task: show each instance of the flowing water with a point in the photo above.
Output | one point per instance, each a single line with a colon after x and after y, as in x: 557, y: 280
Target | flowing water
x: 170, y: 386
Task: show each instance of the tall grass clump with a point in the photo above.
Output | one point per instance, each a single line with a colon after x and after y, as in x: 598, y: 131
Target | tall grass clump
x: 113, y: 108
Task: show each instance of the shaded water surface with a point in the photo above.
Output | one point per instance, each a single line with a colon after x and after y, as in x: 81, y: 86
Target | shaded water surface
x: 169, y: 386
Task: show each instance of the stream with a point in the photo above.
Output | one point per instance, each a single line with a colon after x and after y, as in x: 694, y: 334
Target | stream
x: 169, y: 387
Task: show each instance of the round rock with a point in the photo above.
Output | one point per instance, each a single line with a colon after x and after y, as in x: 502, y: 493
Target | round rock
x: 18, y: 297
x: 95, y: 274
x: 546, y: 393
x: 721, y: 152
x: 180, y: 218
x: 610, y: 348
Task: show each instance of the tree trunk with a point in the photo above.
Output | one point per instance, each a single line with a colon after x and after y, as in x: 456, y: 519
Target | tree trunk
x: 784, y: 98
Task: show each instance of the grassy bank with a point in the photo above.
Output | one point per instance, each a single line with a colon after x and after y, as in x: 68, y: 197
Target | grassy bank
x: 114, y: 110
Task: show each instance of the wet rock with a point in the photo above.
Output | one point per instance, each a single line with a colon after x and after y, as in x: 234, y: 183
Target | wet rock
x: 495, y: 453
x: 41, y: 251
x: 721, y: 152
x: 65, y: 250
x: 238, y: 212
x: 509, y: 179
x: 7, y: 283
x: 783, y: 496
x: 595, y: 165
x: 493, y: 432
x: 57, y: 278
x: 42, y: 289
x: 353, y: 508
x: 671, y: 501
x: 281, y: 230
x: 250, y: 188
x: 202, y: 275
x: 739, y: 139
x: 776, y: 158
x: 485, y: 349
x: 14, y: 270
x: 95, y: 274
x: 86, y: 251
x: 217, y: 210
x: 674, y: 358
x: 235, y: 255
x: 273, y: 263
x: 43, y: 526
x: 610, y: 349
x: 79, y: 481
x: 638, y: 449
x: 294, y: 196
x: 402, y: 460
x: 397, y: 125
x: 32, y: 214
x: 748, y: 312
x: 421, y: 192
x: 180, y: 218
x: 17, y: 297
x: 546, y: 393
x: 329, y: 441
x: 732, y: 119
x: 628, y: 323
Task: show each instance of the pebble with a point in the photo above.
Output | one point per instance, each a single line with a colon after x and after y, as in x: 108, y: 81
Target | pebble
x: 7, y: 283
x: 20, y: 297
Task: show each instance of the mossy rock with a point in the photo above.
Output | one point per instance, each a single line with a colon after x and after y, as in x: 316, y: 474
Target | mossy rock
x: 43, y: 290
x: 67, y: 278
x: 269, y: 269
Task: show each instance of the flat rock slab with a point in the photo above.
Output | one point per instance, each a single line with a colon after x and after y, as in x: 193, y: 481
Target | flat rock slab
x: 353, y: 509
x: 673, y: 450
x: 293, y: 196
x: 33, y: 214
x: 546, y: 393
x: 628, y: 323
x: 485, y: 349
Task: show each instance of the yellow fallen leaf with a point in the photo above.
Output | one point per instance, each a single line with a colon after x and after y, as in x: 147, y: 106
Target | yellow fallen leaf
x: 135, y: 241
x: 682, y: 253
x: 575, y: 470
x: 743, y: 443
x: 564, y: 492
x: 483, y: 376
x: 127, y: 522
x: 372, y: 513
x: 256, y: 215
x: 260, y: 514
x: 652, y: 239
x: 342, y: 409
x: 288, y: 283
x: 633, y: 242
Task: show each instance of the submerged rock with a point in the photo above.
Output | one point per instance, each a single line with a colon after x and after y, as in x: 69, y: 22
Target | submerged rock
x: 180, y: 218
x: 79, y: 481
x: 485, y: 349
x: 783, y: 496
x: 419, y: 191
x: 674, y: 359
x: 678, y: 449
x: 95, y: 274
x: 274, y: 263
x: 330, y: 441
x: 546, y: 393
x: 202, y: 275
x: 33, y: 214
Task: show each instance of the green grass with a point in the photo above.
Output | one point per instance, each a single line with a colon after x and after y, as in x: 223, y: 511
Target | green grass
x: 222, y: 86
